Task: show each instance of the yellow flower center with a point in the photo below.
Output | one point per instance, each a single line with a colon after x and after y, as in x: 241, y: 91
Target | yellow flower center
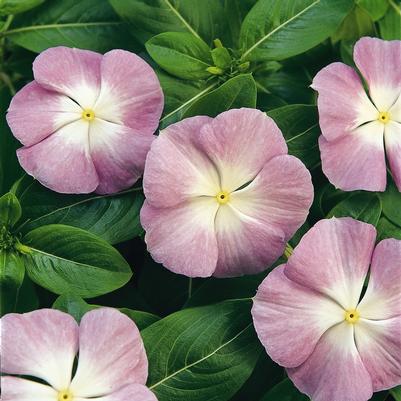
x: 65, y: 395
x: 384, y: 117
x: 352, y: 316
x: 223, y: 197
x: 88, y: 114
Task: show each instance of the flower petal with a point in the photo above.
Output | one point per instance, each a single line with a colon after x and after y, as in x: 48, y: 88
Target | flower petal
x: 183, y: 238
x: 392, y: 139
x: 379, y: 345
x: 240, y: 142
x: 334, y: 371
x: 35, y: 113
x: 118, y: 153
x: 343, y: 103
x: 290, y: 319
x: 42, y: 344
x: 16, y: 389
x: 357, y: 160
x: 132, y: 392
x: 333, y: 258
x: 111, y: 354
x: 176, y: 169
x: 246, y: 245
x: 72, y: 72
x: 62, y: 161
x: 130, y: 92
x: 382, y: 299
x: 379, y: 62
x: 280, y: 196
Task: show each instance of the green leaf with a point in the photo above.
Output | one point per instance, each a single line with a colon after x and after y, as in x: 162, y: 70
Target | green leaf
x: 66, y: 259
x: 300, y: 127
x: 12, y: 273
x: 114, y: 218
x: 237, y: 92
x: 390, y: 26
x: 77, y: 307
x: 364, y: 206
x: 278, y: 29
x: 375, y: 8
x: 284, y: 391
x: 396, y: 393
x: 391, y: 200
x: 10, y: 210
x: 203, y: 19
x: 386, y: 229
x: 17, y: 6
x: 87, y: 24
x: 202, y: 353
x: 181, y: 54
x: 10, y: 169
x: 221, y: 57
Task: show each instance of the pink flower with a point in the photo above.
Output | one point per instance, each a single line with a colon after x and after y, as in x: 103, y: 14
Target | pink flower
x: 87, y: 121
x: 222, y: 195
x: 310, y: 317
x: 356, y: 127
x: 112, y: 363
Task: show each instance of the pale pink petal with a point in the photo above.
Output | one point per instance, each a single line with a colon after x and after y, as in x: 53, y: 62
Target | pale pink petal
x: 42, y: 344
x: 333, y: 258
x: 111, y: 354
x: 240, y: 142
x: 62, y: 161
x: 280, y: 196
x: 379, y: 62
x: 382, y: 299
x: 132, y: 392
x: 395, y: 110
x: 343, y: 103
x: 357, y: 160
x: 334, y: 371
x: 246, y: 245
x: 16, y: 389
x: 183, y: 238
x: 118, y: 153
x: 176, y: 168
x: 35, y: 113
x: 379, y: 345
x: 130, y: 92
x: 72, y: 72
x: 290, y: 319
x: 392, y: 139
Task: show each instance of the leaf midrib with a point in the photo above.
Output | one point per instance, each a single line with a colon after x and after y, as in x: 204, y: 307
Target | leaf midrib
x: 202, y: 359
x: 255, y: 45
x: 60, y: 26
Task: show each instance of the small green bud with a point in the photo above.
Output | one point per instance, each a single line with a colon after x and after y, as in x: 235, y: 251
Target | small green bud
x: 221, y: 57
x: 217, y: 43
x: 244, y: 66
x: 215, y: 70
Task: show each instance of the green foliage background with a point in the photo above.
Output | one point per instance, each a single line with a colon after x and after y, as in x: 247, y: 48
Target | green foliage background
x: 76, y: 253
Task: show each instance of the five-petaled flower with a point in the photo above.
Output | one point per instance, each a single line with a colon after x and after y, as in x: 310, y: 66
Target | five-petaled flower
x: 112, y: 363
x: 356, y: 127
x: 222, y: 195
x: 87, y: 120
x: 311, y: 319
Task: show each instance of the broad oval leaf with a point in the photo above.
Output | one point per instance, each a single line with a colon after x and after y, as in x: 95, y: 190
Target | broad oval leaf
x: 77, y: 307
x: 114, y: 218
x: 87, y: 24
x: 13, y: 7
x: 375, y: 8
x: 300, y: 127
x: 365, y: 206
x: 181, y: 54
x: 391, y: 200
x: 284, y: 391
x: 203, y: 19
x: 237, y: 92
x: 203, y: 353
x: 66, y: 259
x: 386, y: 229
x: 278, y: 29
x: 390, y: 26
